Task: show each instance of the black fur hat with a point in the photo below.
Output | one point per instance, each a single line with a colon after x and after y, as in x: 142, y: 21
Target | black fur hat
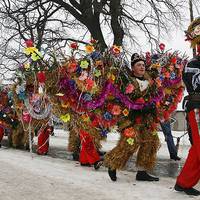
x: 136, y: 58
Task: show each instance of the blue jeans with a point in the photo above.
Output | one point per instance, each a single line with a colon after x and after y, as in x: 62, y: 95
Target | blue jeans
x: 166, y: 128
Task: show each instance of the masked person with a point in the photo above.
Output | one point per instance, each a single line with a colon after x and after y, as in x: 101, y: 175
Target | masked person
x: 190, y: 173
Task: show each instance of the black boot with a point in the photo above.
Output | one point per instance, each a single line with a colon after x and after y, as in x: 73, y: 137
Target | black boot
x: 175, y: 157
x: 112, y: 174
x: 75, y: 156
x: 97, y: 165
x: 188, y: 191
x: 143, y: 176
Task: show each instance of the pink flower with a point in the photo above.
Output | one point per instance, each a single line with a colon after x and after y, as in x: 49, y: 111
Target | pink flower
x: 129, y: 88
x: 116, y: 110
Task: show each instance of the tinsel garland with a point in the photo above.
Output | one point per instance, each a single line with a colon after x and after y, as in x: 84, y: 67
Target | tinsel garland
x: 40, y: 116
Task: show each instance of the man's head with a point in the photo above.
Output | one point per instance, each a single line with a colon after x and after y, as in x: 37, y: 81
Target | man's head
x: 193, y: 33
x: 138, y: 65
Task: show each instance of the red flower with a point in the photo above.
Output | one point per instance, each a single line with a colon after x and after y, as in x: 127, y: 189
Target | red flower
x: 129, y: 132
x: 71, y: 67
x: 74, y: 45
x: 162, y: 46
x: 140, y: 100
x: 29, y: 43
x: 173, y: 60
x: 41, y: 77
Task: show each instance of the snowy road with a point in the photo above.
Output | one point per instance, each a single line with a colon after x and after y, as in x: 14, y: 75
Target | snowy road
x: 24, y: 177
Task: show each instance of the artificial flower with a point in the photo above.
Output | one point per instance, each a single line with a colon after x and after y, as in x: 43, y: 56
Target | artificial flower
x: 129, y: 88
x: 41, y: 77
x: 129, y: 132
x: 116, y: 110
x: 27, y: 66
x: 30, y: 50
x: 71, y: 67
x: 116, y: 49
x: 162, y: 46
x: 29, y: 43
x: 89, y: 48
x: 97, y: 73
x: 107, y: 116
x: 65, y: 118
x: 130, y: 141
x: 89, y: 84
x: 74, y: 45
x: 84, y: 64
x: 83, y: 76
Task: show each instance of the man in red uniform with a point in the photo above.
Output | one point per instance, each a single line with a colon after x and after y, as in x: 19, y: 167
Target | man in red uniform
x: 1, y: 134
x: 190, y: 174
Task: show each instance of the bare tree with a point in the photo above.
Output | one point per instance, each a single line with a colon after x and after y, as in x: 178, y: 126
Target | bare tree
x: 48, y: 22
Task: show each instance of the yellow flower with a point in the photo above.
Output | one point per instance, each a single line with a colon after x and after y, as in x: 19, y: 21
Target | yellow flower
x: 111, y: 76
x: 30, y: 50
x: 89, y: 48
x: 65, y: 118
x: 116, y: 49
x: 130, y: 141
x: 27, y: 66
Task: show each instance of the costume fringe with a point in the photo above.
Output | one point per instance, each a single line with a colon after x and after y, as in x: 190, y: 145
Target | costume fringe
x: 147, y: 145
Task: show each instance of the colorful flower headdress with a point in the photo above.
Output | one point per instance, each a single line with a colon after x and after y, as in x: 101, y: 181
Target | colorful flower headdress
x: 193, y: 32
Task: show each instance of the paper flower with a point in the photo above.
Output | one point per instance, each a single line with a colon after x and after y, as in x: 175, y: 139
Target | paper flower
x: 107, y: 116
x: 104, y: 133
x: 116, y: 49
x: 74, y: 45
x: 89, y: 48
x: 26, y: 117
x: 129, y: 88
x: 97, y: 73
x: 130, y: 141
x: 83, y: 76
x: 27, y: 66
x: 65, y: 118
x: 41, y: 77
x: 89, y: 84
x: 30, y: 50
x: 129, y: 132
x: 116, y: 110
x: 29, y: 43
x: 84, y: 64
x: 162, y: 46
x: 71, y: 67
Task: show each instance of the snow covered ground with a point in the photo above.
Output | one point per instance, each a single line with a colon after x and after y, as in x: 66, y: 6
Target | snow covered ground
x: 26, y: 176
